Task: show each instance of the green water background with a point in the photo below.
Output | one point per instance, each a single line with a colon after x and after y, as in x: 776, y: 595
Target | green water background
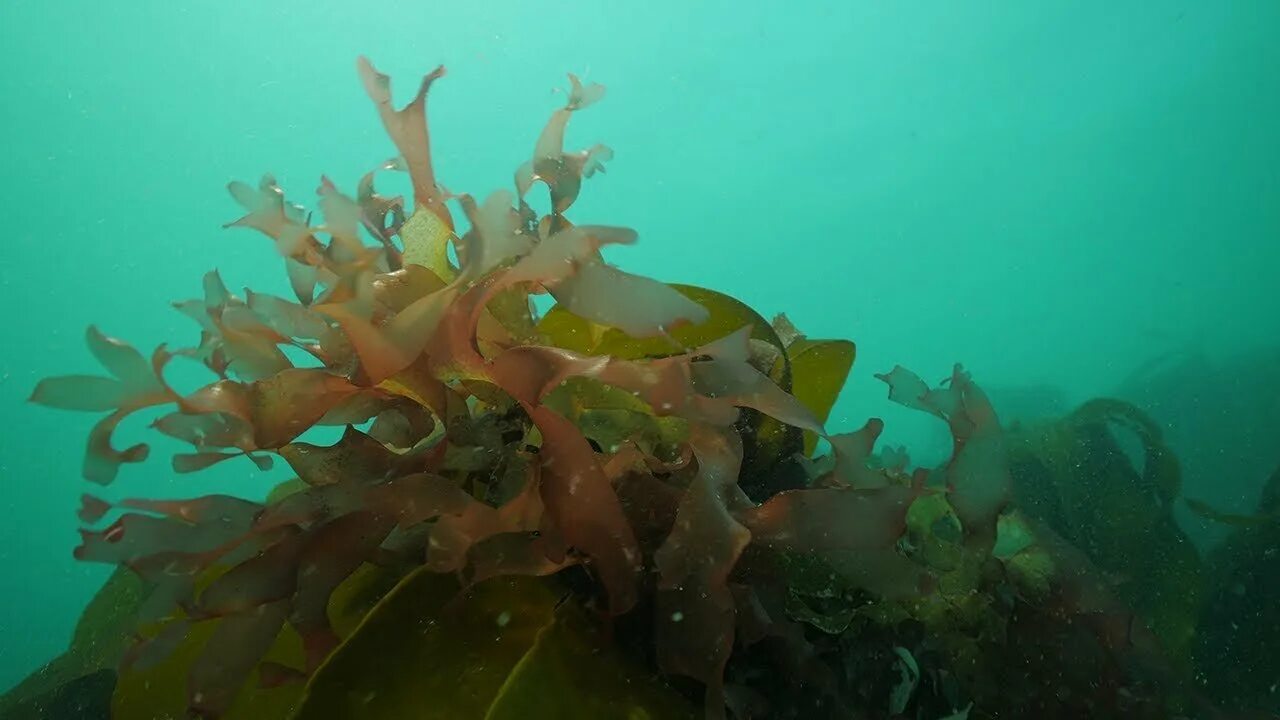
x: 1051, y: 192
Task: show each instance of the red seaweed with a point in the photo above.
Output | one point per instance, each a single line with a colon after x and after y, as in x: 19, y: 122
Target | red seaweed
x: 977, y: 475
x: 479, y: 461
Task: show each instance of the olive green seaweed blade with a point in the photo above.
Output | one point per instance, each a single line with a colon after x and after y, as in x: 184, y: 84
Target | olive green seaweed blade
x: 819, y: 369
x: 571, y: 673
x: 508, y: 647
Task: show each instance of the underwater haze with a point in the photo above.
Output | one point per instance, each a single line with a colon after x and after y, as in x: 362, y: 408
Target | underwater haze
x: 1072, y: 199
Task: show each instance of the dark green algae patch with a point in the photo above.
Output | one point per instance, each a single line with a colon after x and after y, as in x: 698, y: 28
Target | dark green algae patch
x: 626, y: 508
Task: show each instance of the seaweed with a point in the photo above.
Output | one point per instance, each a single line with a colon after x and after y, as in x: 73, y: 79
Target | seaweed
x: 1104, y: 480
x: 611, y: 509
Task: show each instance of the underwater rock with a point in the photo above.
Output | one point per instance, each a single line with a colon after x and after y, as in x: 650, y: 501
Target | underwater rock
x: 1235, y: 649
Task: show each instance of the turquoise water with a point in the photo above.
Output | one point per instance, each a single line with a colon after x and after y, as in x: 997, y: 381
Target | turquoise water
x: 1052, y: 193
